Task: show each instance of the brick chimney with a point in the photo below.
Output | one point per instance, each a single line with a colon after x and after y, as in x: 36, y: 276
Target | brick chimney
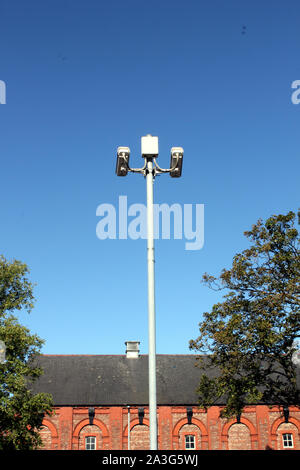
x: 132, y: 349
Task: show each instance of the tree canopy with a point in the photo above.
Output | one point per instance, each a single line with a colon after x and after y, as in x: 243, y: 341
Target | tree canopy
x: 21, y: 412
x: 250, y: 336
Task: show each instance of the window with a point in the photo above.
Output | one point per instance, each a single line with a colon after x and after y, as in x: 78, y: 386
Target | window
x: 90, y: 443
x: 190, y: 441
x: 287, y: 440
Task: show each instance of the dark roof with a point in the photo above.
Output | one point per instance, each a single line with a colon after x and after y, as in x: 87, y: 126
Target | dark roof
x: 117, y: 380
x: 108, y: 380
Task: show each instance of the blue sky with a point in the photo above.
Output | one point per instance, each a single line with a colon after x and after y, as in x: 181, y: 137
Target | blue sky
x: 84, y: 77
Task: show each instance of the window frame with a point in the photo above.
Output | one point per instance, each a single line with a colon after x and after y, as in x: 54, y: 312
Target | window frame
x: 291, y: 438
x: 86, y: 437
x: 188, y: 435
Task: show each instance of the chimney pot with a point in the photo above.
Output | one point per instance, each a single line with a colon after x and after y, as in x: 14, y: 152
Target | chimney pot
x: 132, y: 349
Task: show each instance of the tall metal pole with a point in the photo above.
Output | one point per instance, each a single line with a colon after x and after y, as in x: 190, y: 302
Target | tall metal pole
x: 149, y: 146
x: 151, y: 308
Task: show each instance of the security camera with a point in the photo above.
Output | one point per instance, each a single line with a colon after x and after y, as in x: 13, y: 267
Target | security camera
x: 122, y: 167
x: 176, y: 162
x: 149, y: 146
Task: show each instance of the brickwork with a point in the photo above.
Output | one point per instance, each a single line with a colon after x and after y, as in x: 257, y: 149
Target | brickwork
x: 190, y: 430
x: 139, y: 437
x: 287, y: 428
x: 259, y: 428
x: 239, y: 437
x: 90, y: 431
x: 46, y: 436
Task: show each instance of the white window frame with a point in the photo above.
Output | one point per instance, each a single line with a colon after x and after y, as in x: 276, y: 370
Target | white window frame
x: 90, y: 442
x: 289, y: 440
x: 190, y: 442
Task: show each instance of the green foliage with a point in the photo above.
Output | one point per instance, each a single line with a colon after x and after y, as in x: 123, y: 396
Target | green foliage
x: 249, y: 336
x: 20, y: 411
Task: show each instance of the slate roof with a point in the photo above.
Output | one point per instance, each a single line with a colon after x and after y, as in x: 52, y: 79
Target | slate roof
x: 117, y: 380
x: 108, y: 380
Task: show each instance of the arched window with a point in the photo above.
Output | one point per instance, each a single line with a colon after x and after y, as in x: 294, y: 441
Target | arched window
x: 287, y: 437
x: 90, y: 438
x: 98, y: 431
x: 189, y: 437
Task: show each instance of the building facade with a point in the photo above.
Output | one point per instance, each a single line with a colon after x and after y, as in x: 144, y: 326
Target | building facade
x: 101, y: 404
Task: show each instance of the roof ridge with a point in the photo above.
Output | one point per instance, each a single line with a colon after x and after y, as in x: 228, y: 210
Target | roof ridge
x: 115, y: 355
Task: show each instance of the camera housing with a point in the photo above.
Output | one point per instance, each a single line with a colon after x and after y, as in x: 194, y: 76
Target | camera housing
x: 176, y: 162
x: 123, y: 154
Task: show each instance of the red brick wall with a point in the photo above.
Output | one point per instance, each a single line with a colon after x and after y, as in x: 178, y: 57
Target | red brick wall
x: 189, y: 429
x: 46, y: 436
x: 90, y: 431
x: 239, y: 437
x: 139, y: 437
x: 287, y: 428
x: 259, y: 428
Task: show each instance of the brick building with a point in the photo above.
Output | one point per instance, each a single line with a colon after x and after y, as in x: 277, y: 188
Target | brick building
x: 101, y: 403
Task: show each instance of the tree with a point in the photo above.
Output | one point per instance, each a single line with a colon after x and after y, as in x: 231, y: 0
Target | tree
x: 21, y: 412
x: 246, y: 342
